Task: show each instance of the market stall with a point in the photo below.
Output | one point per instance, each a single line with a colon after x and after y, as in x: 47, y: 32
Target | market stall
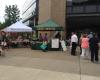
x: 18, y: 27
x: 49, y: 28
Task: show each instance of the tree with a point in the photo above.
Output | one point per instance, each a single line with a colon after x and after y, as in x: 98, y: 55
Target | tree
x: 2, y: 25
x: 12, y: 14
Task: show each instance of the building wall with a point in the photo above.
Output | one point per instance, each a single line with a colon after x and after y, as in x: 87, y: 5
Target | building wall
x: 48, y: 9
x: 58, y: 13
x: 44, y: 10
x: 52, y: 9
x: 28, y: 9
x: 58, y: 8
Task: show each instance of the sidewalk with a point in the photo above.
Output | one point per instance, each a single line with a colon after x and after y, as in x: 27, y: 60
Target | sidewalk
x: 27, y: 64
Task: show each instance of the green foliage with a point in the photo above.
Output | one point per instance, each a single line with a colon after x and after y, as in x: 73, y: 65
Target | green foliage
x: 2, y: 25
x: 11, y: 15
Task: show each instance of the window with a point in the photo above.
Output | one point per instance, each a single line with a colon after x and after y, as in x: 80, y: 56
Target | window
x: 83, y: 6
x: 90, y: 8
x: 69, y: 10
x: 78, y: 9
x: 84, y: 2
x: 79, y: 2
x: 69, y: 2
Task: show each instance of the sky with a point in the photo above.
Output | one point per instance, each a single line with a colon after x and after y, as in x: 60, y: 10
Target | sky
x: 3, y: 3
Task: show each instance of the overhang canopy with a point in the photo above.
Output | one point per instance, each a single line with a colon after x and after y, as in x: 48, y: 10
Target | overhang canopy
x: 18, y: 27
x: 49, y: 25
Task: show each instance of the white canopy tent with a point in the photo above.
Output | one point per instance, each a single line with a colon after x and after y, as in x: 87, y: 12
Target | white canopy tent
x: 18, y: 27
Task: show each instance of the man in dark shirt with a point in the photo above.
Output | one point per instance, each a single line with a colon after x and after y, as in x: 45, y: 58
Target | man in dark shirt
x: 94, y: 48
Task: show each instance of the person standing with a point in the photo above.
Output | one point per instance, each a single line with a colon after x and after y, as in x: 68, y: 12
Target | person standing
x: 80, y: 40
x: 45, y: 42
x: 3, y: 42
x: 74, y: 42
x: 45, y: 38
x: 94, y: 48
x: 85, y: 46
x: 40, y: 37
x: 58, y: 36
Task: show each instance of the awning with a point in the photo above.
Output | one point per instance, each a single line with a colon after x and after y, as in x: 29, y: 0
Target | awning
x: 49, y: 25
x: 18, y: 27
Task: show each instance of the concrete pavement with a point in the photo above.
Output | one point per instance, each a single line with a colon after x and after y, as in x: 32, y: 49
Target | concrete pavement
x: 27, y: 64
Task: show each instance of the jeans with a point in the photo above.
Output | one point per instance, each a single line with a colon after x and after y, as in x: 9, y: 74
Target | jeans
x: 73, y: 50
